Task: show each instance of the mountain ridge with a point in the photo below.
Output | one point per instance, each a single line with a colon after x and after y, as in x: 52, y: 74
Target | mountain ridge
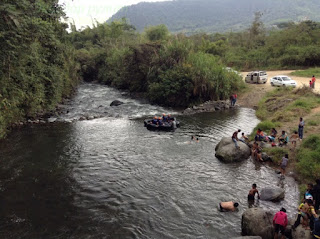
x: 191, y: 16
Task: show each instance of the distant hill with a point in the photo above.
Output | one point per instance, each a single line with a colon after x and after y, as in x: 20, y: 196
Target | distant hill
x: 192, y: 16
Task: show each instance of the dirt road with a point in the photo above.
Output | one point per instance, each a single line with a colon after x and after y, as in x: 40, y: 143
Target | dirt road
x: 252, y: 98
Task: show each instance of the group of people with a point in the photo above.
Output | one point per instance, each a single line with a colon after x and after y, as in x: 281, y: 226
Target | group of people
x: 307, y: 211
x: 283, y: 138
x: 162, y: 120
x: 312, y: 82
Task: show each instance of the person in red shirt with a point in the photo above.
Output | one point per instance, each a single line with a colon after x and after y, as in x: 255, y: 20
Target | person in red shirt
x: 313, y: 81
x: 280, y: 222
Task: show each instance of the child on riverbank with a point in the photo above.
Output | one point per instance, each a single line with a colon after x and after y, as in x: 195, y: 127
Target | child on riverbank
x: 294, y: 139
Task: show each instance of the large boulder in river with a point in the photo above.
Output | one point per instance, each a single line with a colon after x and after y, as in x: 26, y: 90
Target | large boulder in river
x: 257, y: 222
x: 116, y: 103
x: 227, y: 152
x: 274, y: 194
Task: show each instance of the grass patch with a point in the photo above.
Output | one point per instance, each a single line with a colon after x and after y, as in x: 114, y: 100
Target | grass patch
x: 277, y: 153
x: 307, y: 73
x: 309, y: 158
x: 313, y: 123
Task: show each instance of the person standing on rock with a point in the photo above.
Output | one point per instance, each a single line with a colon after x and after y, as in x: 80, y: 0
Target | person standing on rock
x: 283, y: 164
x: 280, y: 222
x: 235, y: 138
x: 300, y: 129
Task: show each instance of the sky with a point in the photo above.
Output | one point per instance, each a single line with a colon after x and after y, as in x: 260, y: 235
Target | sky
x: 82, y: 12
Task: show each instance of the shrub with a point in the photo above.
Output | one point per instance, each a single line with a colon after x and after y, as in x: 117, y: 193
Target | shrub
x: 309, y: 158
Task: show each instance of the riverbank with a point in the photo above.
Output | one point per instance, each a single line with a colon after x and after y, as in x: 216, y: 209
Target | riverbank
x: 281, y: 108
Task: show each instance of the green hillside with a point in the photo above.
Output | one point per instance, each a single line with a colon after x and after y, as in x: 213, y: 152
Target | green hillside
x: 190, y: 16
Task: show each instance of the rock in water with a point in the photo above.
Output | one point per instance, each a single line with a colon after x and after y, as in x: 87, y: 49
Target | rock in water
x: 227, y: 152
x: 116, y: 103
x: 257, y: 222
x: 272, y: 194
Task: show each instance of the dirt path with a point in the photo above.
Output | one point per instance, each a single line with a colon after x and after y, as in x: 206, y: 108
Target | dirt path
x: 251, y: 99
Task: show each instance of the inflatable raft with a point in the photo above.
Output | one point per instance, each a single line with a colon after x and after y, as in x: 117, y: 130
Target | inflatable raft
x: 166, y: 126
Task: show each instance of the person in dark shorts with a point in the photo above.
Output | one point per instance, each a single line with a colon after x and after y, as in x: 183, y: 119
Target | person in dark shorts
x: 280, y: 222
x: 253, y: 192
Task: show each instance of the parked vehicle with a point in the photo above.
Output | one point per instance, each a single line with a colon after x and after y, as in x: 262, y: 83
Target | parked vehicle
x: 256, y: 77
x: 282, y: 80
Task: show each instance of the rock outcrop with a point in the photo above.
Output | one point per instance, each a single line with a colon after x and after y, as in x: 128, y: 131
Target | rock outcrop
x: 209, y: 106
x: 227, y: 152
x: 274, y: 194
x: 116, y: 103
x: 257, y: 222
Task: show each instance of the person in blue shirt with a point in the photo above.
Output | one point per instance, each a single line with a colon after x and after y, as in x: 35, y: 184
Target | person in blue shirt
x: 164, y: 118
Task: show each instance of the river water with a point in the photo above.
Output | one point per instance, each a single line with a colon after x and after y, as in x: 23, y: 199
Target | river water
x: 112, y: 178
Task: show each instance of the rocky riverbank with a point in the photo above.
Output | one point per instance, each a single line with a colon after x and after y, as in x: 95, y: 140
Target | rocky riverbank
x: 209, y: 106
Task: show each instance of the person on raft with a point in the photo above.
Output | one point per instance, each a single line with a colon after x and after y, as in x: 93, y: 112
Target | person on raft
x: 228, y: 206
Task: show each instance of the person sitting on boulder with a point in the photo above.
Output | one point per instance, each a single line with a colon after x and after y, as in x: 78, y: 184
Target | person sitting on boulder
x: 273, y: 135
x: 283, y: 138
x: 228, y: 206
x: 244, y: 139
x: 253, y: 192
x: 235, y: 138
x: 260, y: 135
x: 280, y: 222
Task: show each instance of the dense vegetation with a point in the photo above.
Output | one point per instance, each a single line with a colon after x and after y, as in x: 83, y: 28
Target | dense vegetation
x: 37, y: 64
x: 166, y: 69
x: 192, y: 16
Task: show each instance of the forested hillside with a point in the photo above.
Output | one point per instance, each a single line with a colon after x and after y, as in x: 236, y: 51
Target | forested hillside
x: 190, y: 16
x: 37, y: 60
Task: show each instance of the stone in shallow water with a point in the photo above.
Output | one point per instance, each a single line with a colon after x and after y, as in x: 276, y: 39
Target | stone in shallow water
x: 274, y: 194
x: 227, y: 152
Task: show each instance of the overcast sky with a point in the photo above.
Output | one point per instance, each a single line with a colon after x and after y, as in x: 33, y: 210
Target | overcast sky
x: 83, y: 11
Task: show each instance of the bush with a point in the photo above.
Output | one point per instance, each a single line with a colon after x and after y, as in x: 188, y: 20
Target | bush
x: 157, y: 33
x: 309, y: 158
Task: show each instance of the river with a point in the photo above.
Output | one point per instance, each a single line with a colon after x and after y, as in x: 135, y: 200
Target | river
x: 112, y: 178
